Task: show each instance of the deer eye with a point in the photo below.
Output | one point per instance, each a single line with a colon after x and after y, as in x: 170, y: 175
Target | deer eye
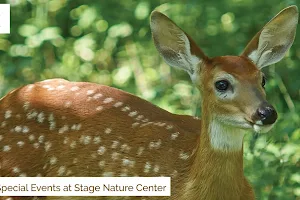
x: 263, y: 82
x: 222, y: 85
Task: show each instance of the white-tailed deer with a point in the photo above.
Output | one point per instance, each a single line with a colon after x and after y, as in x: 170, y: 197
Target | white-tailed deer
x: 61, y: 128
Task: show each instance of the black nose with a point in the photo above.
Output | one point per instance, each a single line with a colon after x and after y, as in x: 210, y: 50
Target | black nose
x: 266, y: 113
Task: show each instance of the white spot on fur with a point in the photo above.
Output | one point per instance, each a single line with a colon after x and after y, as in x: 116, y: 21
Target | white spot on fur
x: 30, y: 87
x: 26, y: 105
x: 108, y: 100
x: 3, y: 124
x: 90, y: 92
x: 41, y: 138
x: 46, y: 86
x: 101, y: 164
x: 6, y: 148
x: 155, y: 145
x: 66, y: 140
x: 23, y: 175
x: 63, y: 129
x: 67, y: 104
x: 73, y: 145
x: 89, y: 98
x: 47, y: 146
x: 53, y: 160
x: 161, y: 124
x: 31, y: 114
x: 147, y: 167
x: 51, y: 121
x: 16, y: 170
x: 135, y: 124
x: 125, y: 148
x: 125, y: 109
x: 125, y: 162
x: 97, y: 96
x: 94, y: 155
x: 124, y: 173
x: 145, y: 120
x: 140, y: 151
x: 139, y: 117
x: 36, y: 145
x: 25, y: 129
x: 73, y: 127
x: 60, y: 87
x: 107, y: 131
x: 75, y: 160
x: 156, y: 168
x: 99, y: 108
x: 108, y: 174
x: 101, y: 150
x: 20, y: 143
x: 183, y: 155
x: 97, y: 140
x: 31, y: 137
x: 174, y: 174
x: 69, y: 172
x: 76, y: 127
x: 52, y: 125
x: 61, y: 170
x: 87, y: 140
x: 118, y: 104
x: 128, y: 163
x: 146, y: 124
x: 151, y: 145
x: 74, y: 88
x: 115, y: 144
x: 7, y: 114
x: 51, y: 117
x: 18, y: 129
x: 174, y: 135
x: 133, y: 113
x: 115, y: 155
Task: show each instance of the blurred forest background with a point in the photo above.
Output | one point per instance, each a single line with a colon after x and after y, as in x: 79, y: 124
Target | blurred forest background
x: 109, y: 42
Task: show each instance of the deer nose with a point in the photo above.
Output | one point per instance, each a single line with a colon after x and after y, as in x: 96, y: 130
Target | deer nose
x: 266, y: 113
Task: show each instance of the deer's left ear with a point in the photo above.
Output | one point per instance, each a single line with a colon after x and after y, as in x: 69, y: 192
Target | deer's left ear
x: 271, y: 43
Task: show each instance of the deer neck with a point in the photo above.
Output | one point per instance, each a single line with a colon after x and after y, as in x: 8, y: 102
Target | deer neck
x: 217, y: 169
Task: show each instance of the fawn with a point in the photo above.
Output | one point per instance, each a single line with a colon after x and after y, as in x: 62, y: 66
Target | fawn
x: 61, y: 128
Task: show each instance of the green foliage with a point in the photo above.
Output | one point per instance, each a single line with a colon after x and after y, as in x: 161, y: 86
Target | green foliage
x: 109, y: 42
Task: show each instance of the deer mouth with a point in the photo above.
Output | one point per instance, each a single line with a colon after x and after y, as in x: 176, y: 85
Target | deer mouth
x: 248, y: 124
x: 259, y: 127
x: 262, y: 128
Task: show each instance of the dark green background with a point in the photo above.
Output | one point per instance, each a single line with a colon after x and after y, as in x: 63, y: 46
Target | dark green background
x: 109, y: 42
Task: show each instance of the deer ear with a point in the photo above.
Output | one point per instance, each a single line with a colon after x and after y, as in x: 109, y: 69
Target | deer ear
x: 175, y: 46
x: 271, y: 43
